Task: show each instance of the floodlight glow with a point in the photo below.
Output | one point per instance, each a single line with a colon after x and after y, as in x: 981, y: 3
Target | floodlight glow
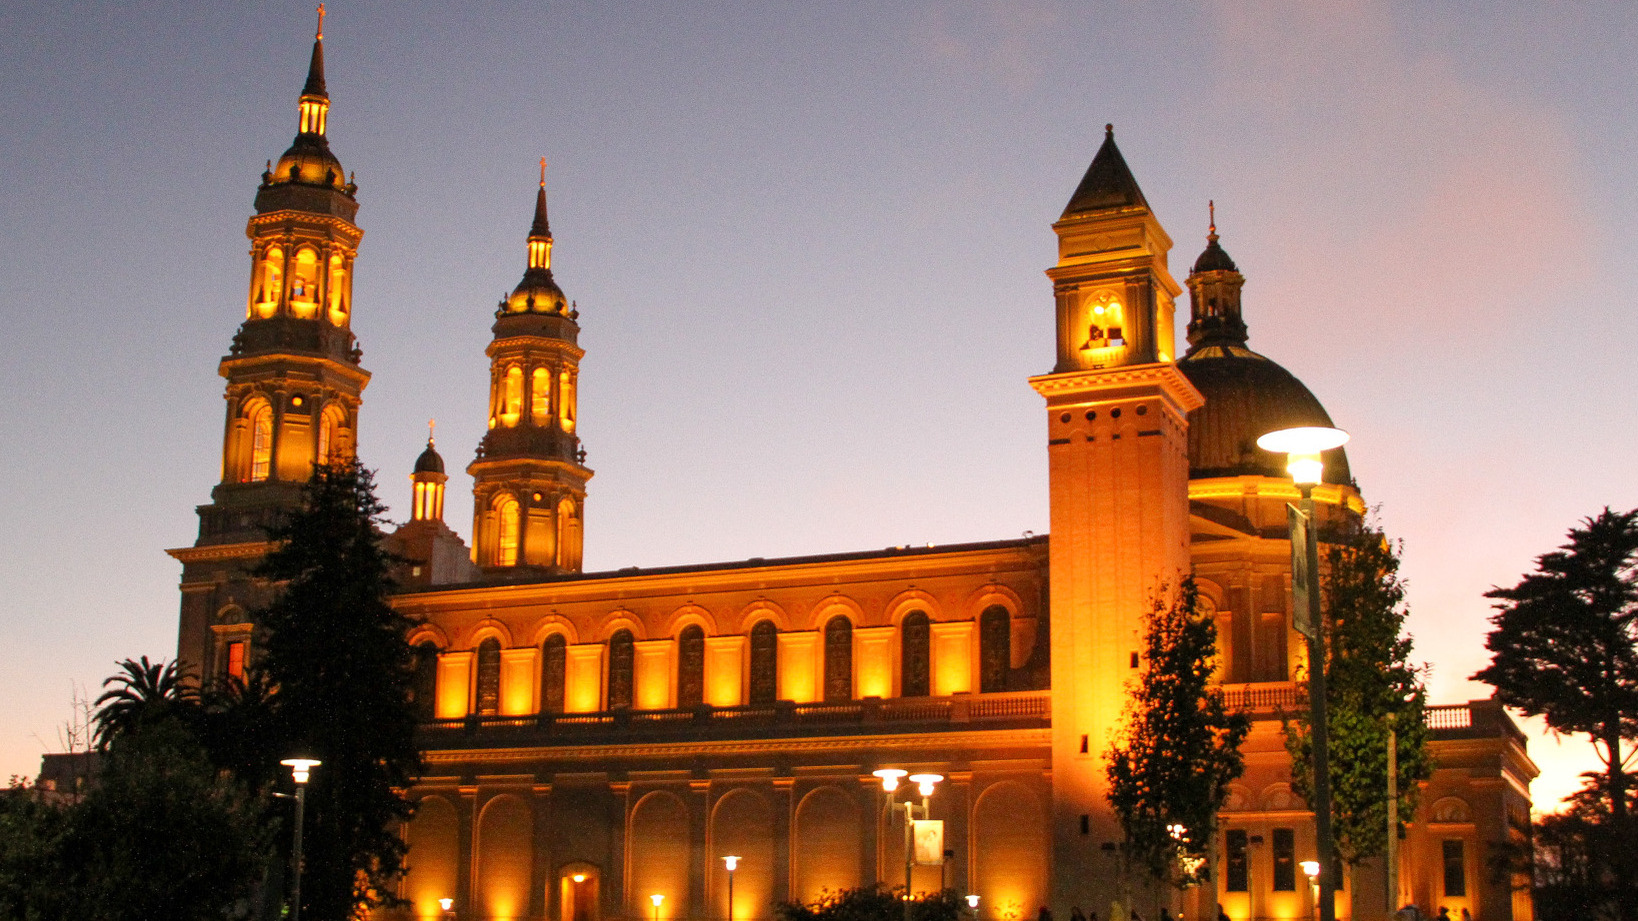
x: 890, y: 778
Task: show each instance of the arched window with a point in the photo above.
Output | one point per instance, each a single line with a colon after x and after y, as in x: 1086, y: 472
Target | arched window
x: 691, y: 666
x: 764, y: 663
x: 328, y: 447
x: 304, y: 283
x: 261, y: 442
x: 489, y: 677
x: 512, y: 403
x: 565, y: 399
x: 540, y: 396
x: 994, y: 648
x: 506, y: 535
x: 568, y: 536
x: 839, y: 659
x: 272, y: 283
x: 915, y: 662
x: 338, y: 291
x: 552, y: 671
x: 424, y: 684
x: 622, y: 650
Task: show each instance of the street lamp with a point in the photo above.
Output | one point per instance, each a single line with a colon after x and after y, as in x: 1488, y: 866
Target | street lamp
x: 447, y: 905
x: 1311, y: 869
x: 1302, y: 447
x: 972, y: 904
x: 924, y: 785
x: 731, y: 862
x: 656, y: 898
x: 300, y: 769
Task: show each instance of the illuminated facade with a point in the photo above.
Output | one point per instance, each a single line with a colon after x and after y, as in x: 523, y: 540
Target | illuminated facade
x: 596, y: 739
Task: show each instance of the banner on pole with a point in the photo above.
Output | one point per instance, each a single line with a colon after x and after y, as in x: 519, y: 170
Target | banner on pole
x: 1302, y: 617
x: 928, y: 835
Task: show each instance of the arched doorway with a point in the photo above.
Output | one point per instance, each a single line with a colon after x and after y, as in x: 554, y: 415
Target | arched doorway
x: 577, y: 885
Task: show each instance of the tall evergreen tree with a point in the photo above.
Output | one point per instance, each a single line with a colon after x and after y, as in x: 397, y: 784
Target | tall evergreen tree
x: 336, y: 653
x: 1564, y: 646
x: 1178, y: 747
x: 1371, y: 686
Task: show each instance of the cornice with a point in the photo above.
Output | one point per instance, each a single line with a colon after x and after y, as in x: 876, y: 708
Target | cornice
x: 1108, y: 382
x: 290, y: 215
x: 223, y: 551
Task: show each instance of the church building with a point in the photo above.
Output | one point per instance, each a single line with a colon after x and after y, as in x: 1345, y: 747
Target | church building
x: 597, y: 742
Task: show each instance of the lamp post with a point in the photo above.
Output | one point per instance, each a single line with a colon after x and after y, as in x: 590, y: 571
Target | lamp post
x: 1302, y: 447
x: 300, y: 769
x: 924, y: 785
x: 656, y: 898
x: 447, y: 906
x: 972, y: 905
x: 1311, y: 869
x: 731, y: 862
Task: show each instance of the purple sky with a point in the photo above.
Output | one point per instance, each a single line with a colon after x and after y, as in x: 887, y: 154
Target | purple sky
x: 806, y: 241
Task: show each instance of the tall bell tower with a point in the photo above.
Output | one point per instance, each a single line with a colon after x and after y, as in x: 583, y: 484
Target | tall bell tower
x: 293, y: 379
x: 529, y: 476
x: 1117, y: 448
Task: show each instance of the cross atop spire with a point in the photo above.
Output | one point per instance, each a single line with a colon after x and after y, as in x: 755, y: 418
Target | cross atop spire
x: 541, y: 227
x: 432, y: 426
x: 315, y: 67
x: 1211, y: 207
x: 543, y: 172
x: 320, y: 35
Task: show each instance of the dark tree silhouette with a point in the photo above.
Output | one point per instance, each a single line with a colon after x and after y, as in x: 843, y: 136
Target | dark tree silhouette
x: 142, y: 693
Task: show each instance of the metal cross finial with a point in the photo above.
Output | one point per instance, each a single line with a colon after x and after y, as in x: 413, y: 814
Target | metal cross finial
x: 1212, y: 206
x: 543, y: 172
x: 320, y: 34
x: 432, y: 425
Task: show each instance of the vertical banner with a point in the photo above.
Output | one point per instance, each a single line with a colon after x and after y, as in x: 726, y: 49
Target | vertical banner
x: 1302, y: 616
x: 929, y: 837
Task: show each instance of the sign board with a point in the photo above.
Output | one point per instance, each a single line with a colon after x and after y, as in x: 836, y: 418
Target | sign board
x: 1302, y: 580
x: 928, y: 835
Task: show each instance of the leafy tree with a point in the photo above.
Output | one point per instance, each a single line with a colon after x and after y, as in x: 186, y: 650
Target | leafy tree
x: 874, y: 903
x: 335, y: 650
x: 142, y: 693
x: 29, y: 831
x: 1564, y: 646
x: 1575, y: 879
x: 1178, y: 747
x: 1370, y: 684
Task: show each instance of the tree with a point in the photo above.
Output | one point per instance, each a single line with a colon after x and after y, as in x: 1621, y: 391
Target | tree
x: 1564, y: 646
x: 1178, y: 747
x: 1371, y: 686
x: 873, y: 903
x: 1574, y: 878
x: 142, y: 693
x: 336, y: 652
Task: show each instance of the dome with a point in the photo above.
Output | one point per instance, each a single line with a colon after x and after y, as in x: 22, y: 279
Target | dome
x: 536, y: 293
x: 1214, y: 258
x: 1247, y: 396
x: 309, y: 161
x: 430, y: 461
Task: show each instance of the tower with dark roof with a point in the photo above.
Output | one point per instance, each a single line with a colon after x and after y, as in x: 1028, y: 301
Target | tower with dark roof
x: 529, y: 476
x: 1117, y: 454
x: 294, y: 382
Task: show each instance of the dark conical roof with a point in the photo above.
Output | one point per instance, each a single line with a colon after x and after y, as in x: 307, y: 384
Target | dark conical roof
x: 1108, y: 183
x: 315, y: 71
x: 430, y: 460
x: 541, y: 227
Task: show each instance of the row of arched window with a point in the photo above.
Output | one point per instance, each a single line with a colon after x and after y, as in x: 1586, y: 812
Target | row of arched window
x: 296, y: 280
x: 762, y: 685
x: 254, y: 445
x: 552, y: 538
x: 514, y: 390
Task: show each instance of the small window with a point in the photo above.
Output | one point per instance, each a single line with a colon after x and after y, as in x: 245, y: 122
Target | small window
x: 915, y: 672
x: 261, y: 443
x: 764, y: 663
x: 236, y: 660
x: 691, y: 667
x: 1285, y: 860
x: 489, y: 656
x: 1237, y: 869
x: 622, y: 651
x: 1455, y: 860
x: 838, y: 659
x: 424, y: 685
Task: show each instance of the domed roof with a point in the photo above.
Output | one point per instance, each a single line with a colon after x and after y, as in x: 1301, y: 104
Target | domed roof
x: 1247, y: 396
x: 1214, y: 258
x: 430, y: 461
x: 536, y: 293
x: 309, y: 161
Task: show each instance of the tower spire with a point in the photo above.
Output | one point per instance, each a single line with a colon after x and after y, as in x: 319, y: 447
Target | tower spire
x: 315, y: 99
x: 541, y: 227
x: 1214, y: 295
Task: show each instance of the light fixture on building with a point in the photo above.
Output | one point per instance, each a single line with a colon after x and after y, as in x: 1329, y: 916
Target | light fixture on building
x: 731, y: 862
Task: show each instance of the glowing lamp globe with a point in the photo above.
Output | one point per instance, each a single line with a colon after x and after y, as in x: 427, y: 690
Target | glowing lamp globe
x: 1302, y: 446
x: 925, y: 782
x: 301, y: 768
x: 890, y: 778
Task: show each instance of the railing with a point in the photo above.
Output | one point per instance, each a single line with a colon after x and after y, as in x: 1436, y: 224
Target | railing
x: 1029, y: 708
x: 1269, y: 698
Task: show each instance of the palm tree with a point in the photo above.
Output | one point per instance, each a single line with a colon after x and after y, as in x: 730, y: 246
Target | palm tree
x: 142, y: 692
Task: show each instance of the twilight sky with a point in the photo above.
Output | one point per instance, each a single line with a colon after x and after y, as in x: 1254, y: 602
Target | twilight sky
x: 806, y: 241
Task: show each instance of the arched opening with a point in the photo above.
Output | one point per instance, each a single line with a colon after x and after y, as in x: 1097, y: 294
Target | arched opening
x: 915, y: 659
x: 568, y: 536
x: 488, y: 696
x: 337, y: 291
x: 271, y: 286
x: 577, y: 893
x: 565, y: 398
x: 512, y: 402
x: 622, y: 653
x: 691, y: 666
x: 261, y: 442
x: 540, y: 396
x: 764, y: 663
x: 304, y: 284
x: 424, y: 684
x: 839, y: 659
x: 506, y: 536
x: 553, y: 669
x: 994, y: 648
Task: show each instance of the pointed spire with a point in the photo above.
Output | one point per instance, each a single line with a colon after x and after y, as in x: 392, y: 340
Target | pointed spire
x: 315, y: 67
x: 541, y: 227
x: 1108, y: 183
x: 1214, y: 295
